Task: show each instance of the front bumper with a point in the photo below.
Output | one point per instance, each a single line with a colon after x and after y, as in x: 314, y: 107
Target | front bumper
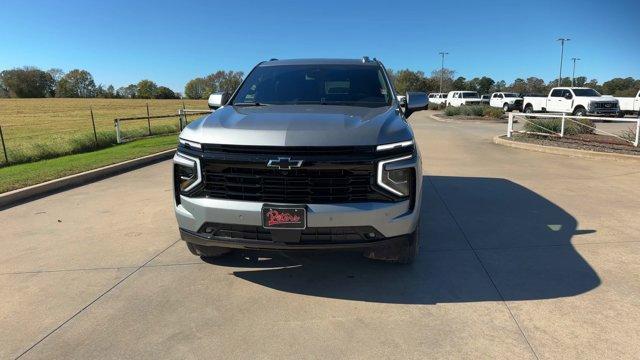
x: 393, y: 221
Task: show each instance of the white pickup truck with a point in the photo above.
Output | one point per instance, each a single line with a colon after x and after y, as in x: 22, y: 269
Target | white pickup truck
x: 578, y: 101
x: 506, y: 100
x: 629, y: 105
x: 458, y: 98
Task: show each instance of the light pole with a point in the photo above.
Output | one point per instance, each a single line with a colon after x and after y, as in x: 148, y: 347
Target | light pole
x: 573, y: 75
x: 562, y: 41
x: 442, y: 68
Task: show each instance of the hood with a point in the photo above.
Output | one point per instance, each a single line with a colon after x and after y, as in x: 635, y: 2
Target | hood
x: 299, y: 125
x: 609, y: 99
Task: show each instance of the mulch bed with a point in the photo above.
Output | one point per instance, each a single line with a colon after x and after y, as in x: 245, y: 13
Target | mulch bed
x: 592, y: 142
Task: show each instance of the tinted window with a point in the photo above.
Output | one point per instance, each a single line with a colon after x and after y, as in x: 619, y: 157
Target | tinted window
x: 566, y: 94
x: 470, y: 95
x: 586, y: 92
x: 510, y: 95
x: 315, y: 84
x: 556, y: 93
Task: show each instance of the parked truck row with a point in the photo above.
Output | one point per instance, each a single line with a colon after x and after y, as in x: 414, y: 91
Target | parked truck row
x: 578, y: 101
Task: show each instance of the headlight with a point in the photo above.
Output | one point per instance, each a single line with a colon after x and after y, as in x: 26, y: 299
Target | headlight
x: 186, y: 172
x: 190, y: 144
x: 396, y: 180
x: 397, y: 145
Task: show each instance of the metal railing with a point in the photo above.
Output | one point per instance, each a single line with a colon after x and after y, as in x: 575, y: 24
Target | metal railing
x: 526, y: 118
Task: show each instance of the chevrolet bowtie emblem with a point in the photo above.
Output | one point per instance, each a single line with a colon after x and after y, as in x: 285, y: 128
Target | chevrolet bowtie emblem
x: 283, y: 163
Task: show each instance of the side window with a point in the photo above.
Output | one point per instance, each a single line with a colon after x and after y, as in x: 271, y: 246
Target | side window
x: 567, y: 94
x: 500, y: 96
x: 556, y: 93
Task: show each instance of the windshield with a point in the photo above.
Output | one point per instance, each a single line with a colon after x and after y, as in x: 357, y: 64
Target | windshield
x: 354, y: 85
x: 586, y: 92
x: 510, y: 95
x: 469, y: 95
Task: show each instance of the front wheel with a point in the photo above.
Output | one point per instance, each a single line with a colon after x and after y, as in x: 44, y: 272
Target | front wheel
x: 580, y: 112
x: 207, y: 251
x: 528, y: 110
x: 403, y: 253
x: 505, y: 107
x: 621, y: 114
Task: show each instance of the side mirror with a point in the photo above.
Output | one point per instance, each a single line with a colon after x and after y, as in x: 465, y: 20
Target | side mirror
x: 217, y: 100
x: 568, y: 96
x: 415, y: 101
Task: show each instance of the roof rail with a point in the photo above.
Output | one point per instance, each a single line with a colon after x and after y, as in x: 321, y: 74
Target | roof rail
x: 365, y: 59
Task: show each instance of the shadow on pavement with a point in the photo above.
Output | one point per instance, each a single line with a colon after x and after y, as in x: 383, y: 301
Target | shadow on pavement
x: 470, y: 227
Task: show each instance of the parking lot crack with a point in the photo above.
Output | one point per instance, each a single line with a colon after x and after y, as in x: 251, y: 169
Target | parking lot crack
x: 475, y: 253
x: 95, y: 300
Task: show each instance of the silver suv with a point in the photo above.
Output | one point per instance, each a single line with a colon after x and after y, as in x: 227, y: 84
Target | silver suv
x: 307, y: 154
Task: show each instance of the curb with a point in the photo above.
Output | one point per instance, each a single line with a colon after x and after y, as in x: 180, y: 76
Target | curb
x: 564, y: 151
x: 19, y: 196
x: 461, y: 121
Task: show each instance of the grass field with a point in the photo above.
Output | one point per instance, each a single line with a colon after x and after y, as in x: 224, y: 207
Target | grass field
x: 37, y: 129
x: 18, y: 176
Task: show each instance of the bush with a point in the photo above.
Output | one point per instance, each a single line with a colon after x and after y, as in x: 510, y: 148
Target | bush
x: 452, y: 111
x: 554, y: 125
x: 493, y: 112
x: 474, y: 110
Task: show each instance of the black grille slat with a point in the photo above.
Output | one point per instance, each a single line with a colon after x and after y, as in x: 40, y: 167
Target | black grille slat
x: 318, y: 235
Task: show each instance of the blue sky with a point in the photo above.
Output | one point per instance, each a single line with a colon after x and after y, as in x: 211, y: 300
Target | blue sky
x: 171, y: 42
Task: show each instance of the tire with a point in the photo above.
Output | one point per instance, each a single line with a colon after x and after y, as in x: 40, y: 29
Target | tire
x: 207, y: 251
x: 580, y: 111
x: 528, y: 110
x: 403, y: 253
x: 621, y: 114
x: 505, y: 107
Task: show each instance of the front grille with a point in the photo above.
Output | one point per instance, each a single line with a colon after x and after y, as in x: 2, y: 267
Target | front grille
x: 605, y: 105
x: 316, y: 235
x: 306, y: 186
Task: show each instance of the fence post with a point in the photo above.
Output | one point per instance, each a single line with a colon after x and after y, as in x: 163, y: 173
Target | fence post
x: 117, y: 125
x: 93, y: 122
x: 562, y: 126
x: 637, y: 132
x: 181, y: 118
x: 186, y: 121
x: 4, y: 149
x: 148, y: 119
x: 510, y: 125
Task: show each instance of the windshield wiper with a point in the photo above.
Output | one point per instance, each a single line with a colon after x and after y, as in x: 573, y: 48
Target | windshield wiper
x: 249, y: 104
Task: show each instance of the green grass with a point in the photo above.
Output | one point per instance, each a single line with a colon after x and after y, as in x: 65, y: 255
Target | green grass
x: 38, y: 129
x: 18, y: 176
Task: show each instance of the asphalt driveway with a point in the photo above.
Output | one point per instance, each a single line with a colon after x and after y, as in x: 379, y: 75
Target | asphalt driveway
x: 525, y: 255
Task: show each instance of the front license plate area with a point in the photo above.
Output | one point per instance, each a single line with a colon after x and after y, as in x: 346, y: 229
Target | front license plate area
x: 284, y: 217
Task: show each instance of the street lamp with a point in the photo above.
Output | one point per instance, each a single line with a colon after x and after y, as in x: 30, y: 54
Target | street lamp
x: 573, y: 75
x: 442, y: 68
x: 562, y: 41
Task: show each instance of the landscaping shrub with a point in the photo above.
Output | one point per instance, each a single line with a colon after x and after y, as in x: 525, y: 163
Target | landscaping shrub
x: 452, y: 111
x: 554, y: 125
x: 474, y: 110
x: 493, y: 112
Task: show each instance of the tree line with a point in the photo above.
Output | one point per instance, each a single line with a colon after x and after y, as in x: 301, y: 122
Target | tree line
x: 409, y: 80
x: 31, y: 82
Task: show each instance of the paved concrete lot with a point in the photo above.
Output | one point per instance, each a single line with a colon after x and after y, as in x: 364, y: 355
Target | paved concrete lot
x: 525, y: 255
